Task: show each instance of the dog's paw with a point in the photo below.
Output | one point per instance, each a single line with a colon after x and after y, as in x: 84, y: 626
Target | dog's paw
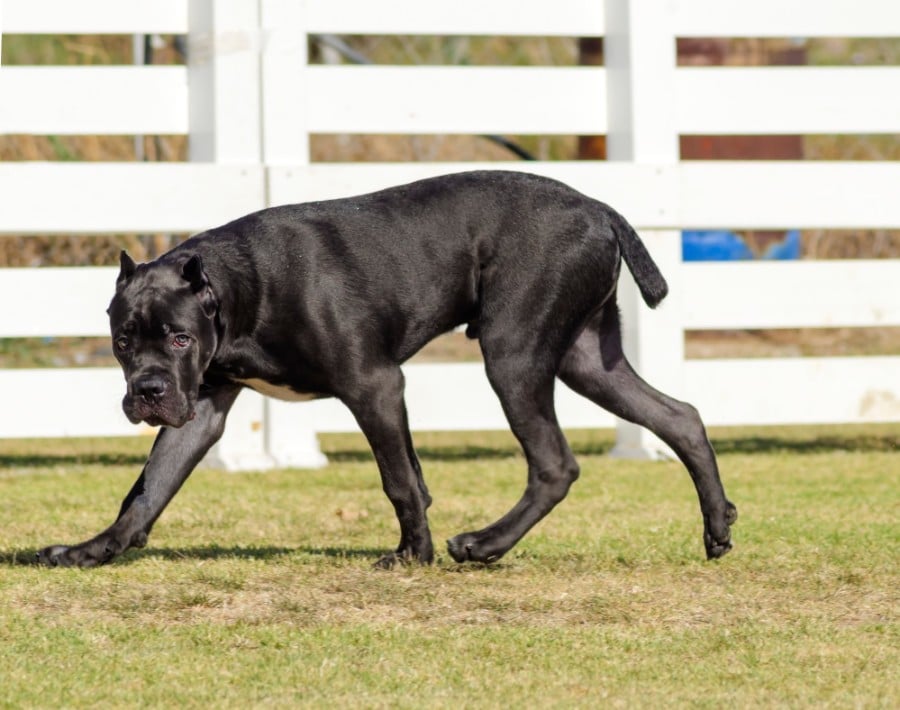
x: 469, y: 547
x: 405, y: 556
x: 95, y: 552
x: 390, y: 561
x: 717, y: 539
x: 50, y: 556
x: 63, y: 556
x: 716, y: 548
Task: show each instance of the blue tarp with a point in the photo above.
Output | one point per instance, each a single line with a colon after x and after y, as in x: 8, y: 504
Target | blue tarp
x: 728, y: 246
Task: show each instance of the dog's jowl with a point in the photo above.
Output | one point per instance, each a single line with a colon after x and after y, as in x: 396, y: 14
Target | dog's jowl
x: 327, y: 299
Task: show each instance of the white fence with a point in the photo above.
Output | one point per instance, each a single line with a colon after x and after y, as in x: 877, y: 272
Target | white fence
x: 249, y: 100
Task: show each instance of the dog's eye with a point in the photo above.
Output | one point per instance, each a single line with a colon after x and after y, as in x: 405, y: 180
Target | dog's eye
x: 181, y: 340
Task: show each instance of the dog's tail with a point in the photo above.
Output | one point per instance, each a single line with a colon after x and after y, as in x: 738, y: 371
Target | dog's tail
x: 646, y: 273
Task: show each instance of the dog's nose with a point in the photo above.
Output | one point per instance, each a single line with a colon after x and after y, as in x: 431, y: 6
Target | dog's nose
x: 150, y: 388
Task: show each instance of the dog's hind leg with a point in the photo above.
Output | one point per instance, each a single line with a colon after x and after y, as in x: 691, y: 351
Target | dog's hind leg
x: 595, y: 367
x: 525, y: 388
x: 379, y: 408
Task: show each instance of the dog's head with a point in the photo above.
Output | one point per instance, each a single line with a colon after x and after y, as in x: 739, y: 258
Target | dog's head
x: 162, y: 320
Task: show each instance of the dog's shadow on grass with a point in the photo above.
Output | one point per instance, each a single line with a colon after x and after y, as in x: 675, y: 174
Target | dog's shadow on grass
x: 40, y: 460
x: 822, y: 444
x: 240, y: 552
x: 27, y: 557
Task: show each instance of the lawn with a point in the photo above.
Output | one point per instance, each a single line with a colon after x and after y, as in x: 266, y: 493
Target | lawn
x: 258, y: 589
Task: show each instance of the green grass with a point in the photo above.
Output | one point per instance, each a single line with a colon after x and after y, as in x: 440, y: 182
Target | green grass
x: 258, y: 590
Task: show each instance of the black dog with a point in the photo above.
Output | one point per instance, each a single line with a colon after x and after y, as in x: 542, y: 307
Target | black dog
x: 329, y: 298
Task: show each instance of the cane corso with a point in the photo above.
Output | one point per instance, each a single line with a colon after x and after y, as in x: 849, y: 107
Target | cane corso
x: 327, y: 299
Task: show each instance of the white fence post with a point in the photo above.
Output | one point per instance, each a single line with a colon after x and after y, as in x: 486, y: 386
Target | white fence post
x: 224, y: 124
x: 290, y: 439
x: 640, y: 61
x: 223, y: 76
x: 283, y: 90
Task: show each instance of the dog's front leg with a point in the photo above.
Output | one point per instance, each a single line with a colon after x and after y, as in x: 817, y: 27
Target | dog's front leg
x: 380, y: 410
x: 173, y: 457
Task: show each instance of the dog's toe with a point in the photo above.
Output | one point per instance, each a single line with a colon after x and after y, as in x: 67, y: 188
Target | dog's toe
x: 53, y: 556
x: 731, y: 514
x: 388, y: 561
x: 715, y: 550
x: 469, y: 548
x: 459, y: 548
x: 717, y: 532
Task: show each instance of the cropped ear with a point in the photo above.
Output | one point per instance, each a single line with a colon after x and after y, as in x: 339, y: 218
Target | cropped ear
x: 127, y: 267
x: 193, y: 273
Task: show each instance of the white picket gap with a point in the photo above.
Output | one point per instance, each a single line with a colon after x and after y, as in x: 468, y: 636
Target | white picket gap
x: 94, y: 16
x: 67, y: 198
x: 805, y: 100
x: 783, y: 294
x: 110, y: 100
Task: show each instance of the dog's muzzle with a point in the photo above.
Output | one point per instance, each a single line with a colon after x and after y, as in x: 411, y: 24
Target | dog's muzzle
x: 154, y: 399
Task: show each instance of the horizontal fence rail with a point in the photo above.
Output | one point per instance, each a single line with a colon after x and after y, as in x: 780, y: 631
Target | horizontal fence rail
x: 761, y: 100
x: 518, y: 100
x: 690, y: 195
x: 190, y: 197
x: 88, y: 100
x: 528, y: 100
x: 765, y: 391
x: 249, y: 101
x: 56, y: 301
x: 778, y: 294
x: 94, y: 16
x: 766, y: 294
x: 569, y: 18
x: 125, y: 197
x: 769, y: 18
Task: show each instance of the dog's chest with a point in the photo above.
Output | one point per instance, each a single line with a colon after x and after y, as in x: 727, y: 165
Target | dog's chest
x: 277, y: 391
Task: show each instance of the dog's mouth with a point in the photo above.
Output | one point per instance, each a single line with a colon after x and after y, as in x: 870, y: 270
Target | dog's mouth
x: 157, y: 414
